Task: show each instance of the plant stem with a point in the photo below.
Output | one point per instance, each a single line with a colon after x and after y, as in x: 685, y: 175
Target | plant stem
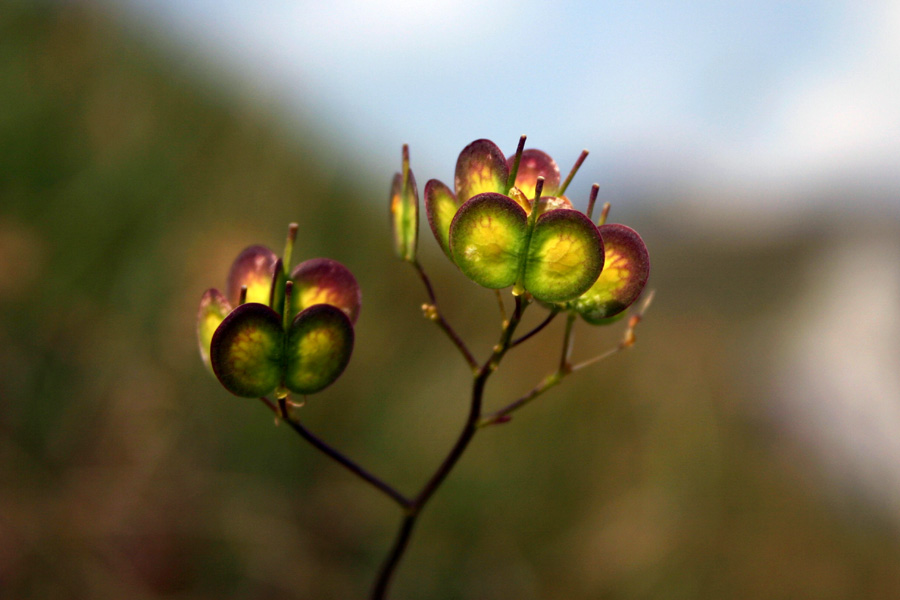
x: 397, y: 550
x: 568, y: 341
x: 413, y: 507
x: 435, y: 315
x: 459, y: 447
x: 281, y: 411
x: 537, y: 329
x: 401, y: 542
x: 501, y: 305
x: 565, y: 367
x: 499, y: 416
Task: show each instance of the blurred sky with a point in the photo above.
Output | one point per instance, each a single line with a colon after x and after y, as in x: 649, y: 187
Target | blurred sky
x: 769, y: 98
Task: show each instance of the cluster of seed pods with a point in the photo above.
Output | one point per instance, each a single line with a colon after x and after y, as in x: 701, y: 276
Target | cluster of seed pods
x: 275, y: 331
x: 508, y: 222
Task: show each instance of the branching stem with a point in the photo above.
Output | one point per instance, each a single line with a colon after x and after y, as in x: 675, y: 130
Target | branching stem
x: 566, y: 368
x: 282, y: 412
x: 536, y: 330
x: 412, y: 507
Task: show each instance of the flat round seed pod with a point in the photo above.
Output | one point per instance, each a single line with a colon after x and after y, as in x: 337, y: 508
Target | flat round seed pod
x: 213, y: 310
x: 487, y: 238
x: 325, y: 281
x: 533, y: 164
x: 481, y: 167
x: 254, y: 267
x: 247, y: 351
x: 624, y: 275
x: 565, y: 256
x: 318, y: 348
x: 441, y: 207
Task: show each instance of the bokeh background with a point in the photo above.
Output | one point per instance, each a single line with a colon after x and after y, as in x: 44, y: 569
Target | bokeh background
x: 747, y: 447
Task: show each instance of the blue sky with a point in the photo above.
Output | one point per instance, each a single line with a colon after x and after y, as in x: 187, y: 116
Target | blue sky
x: 757, y: 96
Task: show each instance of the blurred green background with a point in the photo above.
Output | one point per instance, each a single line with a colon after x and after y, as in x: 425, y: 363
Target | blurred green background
x: 693, y: 466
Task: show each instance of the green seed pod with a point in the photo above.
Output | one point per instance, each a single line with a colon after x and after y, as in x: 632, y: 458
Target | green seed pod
x: 624, y: 275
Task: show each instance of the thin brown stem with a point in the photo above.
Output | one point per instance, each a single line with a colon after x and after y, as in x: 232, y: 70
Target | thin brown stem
x: 281, y: 410
x: 379, y: 592
x: 592, y: 361
x: 433, y: 313
x: 501, y: 305
x: 566, y: 368
x: 628, y: 338
x: 568, y: 343
x: 474, y: 408
x: 627, y: 341
x: 503, y: 415
x: 536, y: 330
x: 462, y: 442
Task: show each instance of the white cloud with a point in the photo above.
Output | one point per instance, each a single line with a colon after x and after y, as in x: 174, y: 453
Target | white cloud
x: 839, y: 116
x: 752, y: 95
x: 389, y: 27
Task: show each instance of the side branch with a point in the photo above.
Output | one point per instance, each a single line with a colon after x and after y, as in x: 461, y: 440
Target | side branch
x: 628, y: 338
x: 281, y: 411
x: 565, y: 367
x: 502, y: 415
x: 471, y: 425
x: 536, y: 330
x: 433, y: 313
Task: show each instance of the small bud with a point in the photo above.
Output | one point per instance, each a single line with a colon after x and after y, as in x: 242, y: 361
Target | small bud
x: 404, y: 206
x: 261, y: 347
x: 430, y: 311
